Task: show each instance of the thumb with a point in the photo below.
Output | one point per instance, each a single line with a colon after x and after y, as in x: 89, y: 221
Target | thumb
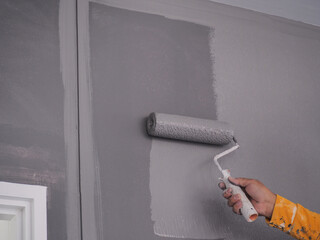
x: 243, y: 182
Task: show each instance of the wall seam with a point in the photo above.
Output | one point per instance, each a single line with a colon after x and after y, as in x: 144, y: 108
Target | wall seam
x: 78, y: 118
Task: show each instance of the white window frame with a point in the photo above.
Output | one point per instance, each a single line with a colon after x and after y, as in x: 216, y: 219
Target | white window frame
x: 25, y: 208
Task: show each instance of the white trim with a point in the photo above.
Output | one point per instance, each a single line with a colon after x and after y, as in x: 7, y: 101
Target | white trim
x: 306, y: 11
x: 26, y: 205
x: 13, y: 217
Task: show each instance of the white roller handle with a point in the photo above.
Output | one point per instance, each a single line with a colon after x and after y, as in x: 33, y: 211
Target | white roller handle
x: 247, y: 210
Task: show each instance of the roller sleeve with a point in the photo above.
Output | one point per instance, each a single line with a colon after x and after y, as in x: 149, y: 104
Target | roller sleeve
x: 189, y: 129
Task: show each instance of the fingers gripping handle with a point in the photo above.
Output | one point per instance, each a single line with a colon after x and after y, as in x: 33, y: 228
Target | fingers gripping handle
x: 247, y: 210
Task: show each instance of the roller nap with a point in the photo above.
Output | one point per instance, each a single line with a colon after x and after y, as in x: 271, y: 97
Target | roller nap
x: 189, y: 129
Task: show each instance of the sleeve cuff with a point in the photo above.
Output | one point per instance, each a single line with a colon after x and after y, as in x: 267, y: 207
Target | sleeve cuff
x: 283, y: 214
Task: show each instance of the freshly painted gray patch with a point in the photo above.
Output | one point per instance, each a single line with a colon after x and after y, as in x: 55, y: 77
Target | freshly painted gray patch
x: 142, y: 63
x: 185, y: 200
x: 32, y: 148
x: 183, y: 177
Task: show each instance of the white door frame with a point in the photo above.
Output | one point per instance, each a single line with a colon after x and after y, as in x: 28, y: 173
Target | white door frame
x: 25, y: 208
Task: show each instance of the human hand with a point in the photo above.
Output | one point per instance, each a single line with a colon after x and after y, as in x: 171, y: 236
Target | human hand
x: 260, y: 196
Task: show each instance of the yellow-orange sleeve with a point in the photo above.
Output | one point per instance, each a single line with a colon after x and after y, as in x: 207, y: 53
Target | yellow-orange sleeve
x: 295, y: 220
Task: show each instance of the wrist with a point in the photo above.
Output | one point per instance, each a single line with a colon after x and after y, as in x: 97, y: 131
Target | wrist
x: 270, y: 205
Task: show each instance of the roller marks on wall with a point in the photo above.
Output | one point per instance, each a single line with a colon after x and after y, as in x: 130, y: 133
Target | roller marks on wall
x: 184, y: 197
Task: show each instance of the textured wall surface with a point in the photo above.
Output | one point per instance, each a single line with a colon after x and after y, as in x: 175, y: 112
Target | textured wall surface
x: 32, y: 149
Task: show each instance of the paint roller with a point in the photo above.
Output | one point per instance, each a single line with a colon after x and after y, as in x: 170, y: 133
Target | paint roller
x: 201, y: 131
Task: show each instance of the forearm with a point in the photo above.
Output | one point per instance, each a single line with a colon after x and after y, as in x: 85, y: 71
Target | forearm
x: 295, y: 220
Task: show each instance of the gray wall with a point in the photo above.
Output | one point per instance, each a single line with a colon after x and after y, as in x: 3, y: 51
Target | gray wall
x: 201, y: 59
x: 141, y: 63
x: 259, y: 73
x: 301, y: 11
x: 32, y: 147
